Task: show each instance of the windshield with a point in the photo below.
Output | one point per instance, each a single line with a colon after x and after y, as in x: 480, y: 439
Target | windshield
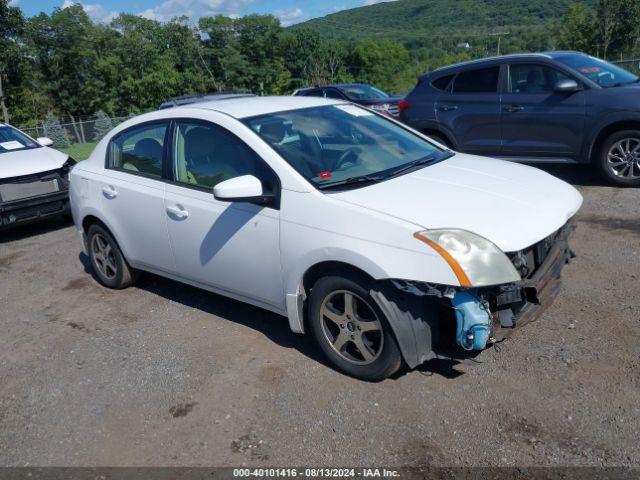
x: 12, y: 139
x: 363, y: 92
x: 336, y: 144
x: 603, y: 73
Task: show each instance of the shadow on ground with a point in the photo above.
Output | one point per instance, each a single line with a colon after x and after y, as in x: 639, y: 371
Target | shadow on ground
x: 273, y: 326
x: 20, y: 232
x: 581, y: 175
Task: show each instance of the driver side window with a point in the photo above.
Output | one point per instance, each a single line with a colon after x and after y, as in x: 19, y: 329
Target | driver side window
x: 205, y: 155
x: 534, y: 78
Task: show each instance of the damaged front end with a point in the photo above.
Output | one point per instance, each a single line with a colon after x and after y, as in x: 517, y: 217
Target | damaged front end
x: 457, y: 321
x: 31, y: 197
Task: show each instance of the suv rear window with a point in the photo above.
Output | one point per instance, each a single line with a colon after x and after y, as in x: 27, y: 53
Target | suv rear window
x: 481, y: 80
x: 442, y: 83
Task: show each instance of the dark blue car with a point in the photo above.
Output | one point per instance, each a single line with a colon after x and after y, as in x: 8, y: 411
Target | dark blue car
x: 545, y: 107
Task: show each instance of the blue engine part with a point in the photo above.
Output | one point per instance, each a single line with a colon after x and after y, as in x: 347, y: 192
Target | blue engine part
x: 473, y: 321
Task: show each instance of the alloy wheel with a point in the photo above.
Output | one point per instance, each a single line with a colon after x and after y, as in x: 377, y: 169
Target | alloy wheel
x: 103, y: 256
x: 351, y: 327
x: 623, y: 158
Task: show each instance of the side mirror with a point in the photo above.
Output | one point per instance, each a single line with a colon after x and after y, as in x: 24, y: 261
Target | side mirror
x: 246, y: 188
x: 44, y: 141
x: 566, y: 86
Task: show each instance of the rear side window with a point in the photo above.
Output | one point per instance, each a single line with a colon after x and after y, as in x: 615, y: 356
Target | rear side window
x: 442, y: 83
x: 314, y: 93
x: 331, y: 93
x: 481, y: 80
x: 139, y: 150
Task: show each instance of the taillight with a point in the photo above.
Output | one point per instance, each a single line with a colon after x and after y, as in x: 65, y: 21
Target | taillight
x: 403, y: 105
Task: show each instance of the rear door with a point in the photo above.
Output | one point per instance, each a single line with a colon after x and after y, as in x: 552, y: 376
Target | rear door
x: 536, y: 120
x: 132, y: 190
x: 470, y: 110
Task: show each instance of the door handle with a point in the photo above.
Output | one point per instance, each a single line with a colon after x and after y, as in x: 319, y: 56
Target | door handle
x: 178, y: 212
x: 447, y: 108
x: 109, y: 192
x: 513, y: 108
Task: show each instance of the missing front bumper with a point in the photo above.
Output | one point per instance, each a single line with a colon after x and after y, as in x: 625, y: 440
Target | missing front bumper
x: 32, y: 209
x: 429, y: 330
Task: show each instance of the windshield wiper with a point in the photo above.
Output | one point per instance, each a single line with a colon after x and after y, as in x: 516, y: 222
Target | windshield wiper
x: 351, y: 180
x: 417, y: 163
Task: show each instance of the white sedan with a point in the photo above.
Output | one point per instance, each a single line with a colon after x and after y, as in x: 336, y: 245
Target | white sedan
x: 388, y: 248
x: 33, y: 178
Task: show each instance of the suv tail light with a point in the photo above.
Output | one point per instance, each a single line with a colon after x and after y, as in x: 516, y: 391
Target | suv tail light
x: 403, y: 105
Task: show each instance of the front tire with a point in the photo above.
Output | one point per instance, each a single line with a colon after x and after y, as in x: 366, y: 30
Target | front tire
x: 351, y: 330
x: 107, y: 260
x: 619, y: 160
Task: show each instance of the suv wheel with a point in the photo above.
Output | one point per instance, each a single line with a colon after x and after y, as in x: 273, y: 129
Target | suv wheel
x: 620, y: 158
x: 107, y: 260
x: 351, y: 330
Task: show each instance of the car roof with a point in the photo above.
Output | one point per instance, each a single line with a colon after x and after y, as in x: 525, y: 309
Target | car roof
x: 191, y: 99
x: 491, y: 60
x: 244, y: 107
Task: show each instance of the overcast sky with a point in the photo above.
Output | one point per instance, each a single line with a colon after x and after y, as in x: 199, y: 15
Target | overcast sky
x: 287, y: 11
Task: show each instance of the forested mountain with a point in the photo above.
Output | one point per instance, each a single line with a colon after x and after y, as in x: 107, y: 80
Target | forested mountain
x: 412, y: 20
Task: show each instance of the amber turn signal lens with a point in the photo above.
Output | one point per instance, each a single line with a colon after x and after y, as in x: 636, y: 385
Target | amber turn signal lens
x: 455, y: 266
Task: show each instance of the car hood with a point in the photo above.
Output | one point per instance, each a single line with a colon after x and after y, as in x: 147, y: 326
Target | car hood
x: 28, y: 162
x: 512, y: 205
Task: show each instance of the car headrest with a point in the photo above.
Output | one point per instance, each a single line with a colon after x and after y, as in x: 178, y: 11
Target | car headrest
x: 148, y: 148
x: 199, y: 141
x: 535, y: 77
x: 274, y: 131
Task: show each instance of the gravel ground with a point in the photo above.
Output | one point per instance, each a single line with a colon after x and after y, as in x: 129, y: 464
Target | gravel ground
x: 165, y: 374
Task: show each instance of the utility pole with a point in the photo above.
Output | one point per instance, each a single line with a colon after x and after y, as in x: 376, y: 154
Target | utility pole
x: 499, y: 35
x: 3, y: 106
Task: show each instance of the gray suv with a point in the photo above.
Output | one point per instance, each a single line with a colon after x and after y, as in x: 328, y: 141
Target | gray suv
x: 547, y: 107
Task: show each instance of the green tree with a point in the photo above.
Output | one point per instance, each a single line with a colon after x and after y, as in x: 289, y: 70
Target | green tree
x: 55, y: 132
x: 101, y: 126
x: 11, y: 27
x: 618, y: 23
x: 577, y: 29
x: 63, y: 45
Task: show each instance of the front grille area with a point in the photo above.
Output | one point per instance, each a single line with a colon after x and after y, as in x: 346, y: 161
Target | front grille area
x: 30, y: 186
x: 528, y: 261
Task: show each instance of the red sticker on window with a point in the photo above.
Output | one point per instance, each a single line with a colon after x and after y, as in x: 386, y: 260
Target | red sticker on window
x: 325, y: 174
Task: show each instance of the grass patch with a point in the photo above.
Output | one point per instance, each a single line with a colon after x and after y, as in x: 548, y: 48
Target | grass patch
x: 79, y: 151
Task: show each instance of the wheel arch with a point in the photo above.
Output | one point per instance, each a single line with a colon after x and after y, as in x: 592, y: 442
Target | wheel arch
x: 92, y: 218
x: 440, y: 133
x: 606, y: 131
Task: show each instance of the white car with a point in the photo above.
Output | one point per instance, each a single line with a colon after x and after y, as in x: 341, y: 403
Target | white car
x: 33, y: 178
x: 386, y: 247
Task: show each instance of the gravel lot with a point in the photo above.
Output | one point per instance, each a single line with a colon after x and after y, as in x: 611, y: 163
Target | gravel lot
x: 165, y: 374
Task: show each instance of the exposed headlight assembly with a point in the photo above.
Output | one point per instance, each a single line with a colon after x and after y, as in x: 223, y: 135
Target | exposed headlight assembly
x: 475, y: 261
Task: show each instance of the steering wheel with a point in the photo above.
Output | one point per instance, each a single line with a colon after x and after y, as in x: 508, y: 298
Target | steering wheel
x: 348, y: 158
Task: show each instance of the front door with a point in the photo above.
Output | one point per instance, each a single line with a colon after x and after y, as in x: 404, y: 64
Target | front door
x: 133, y: 195
x: 471, y: 110
x: 232, y: 246
x: 536, y: 120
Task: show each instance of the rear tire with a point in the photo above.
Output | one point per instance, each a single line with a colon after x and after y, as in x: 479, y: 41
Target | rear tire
x: 351, y: 330
x: 619, y: 160
x: 107, y: 260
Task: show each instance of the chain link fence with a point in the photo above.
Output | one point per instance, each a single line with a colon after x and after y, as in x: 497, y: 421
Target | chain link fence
x: 76, y: 132
x: 632, y: 65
